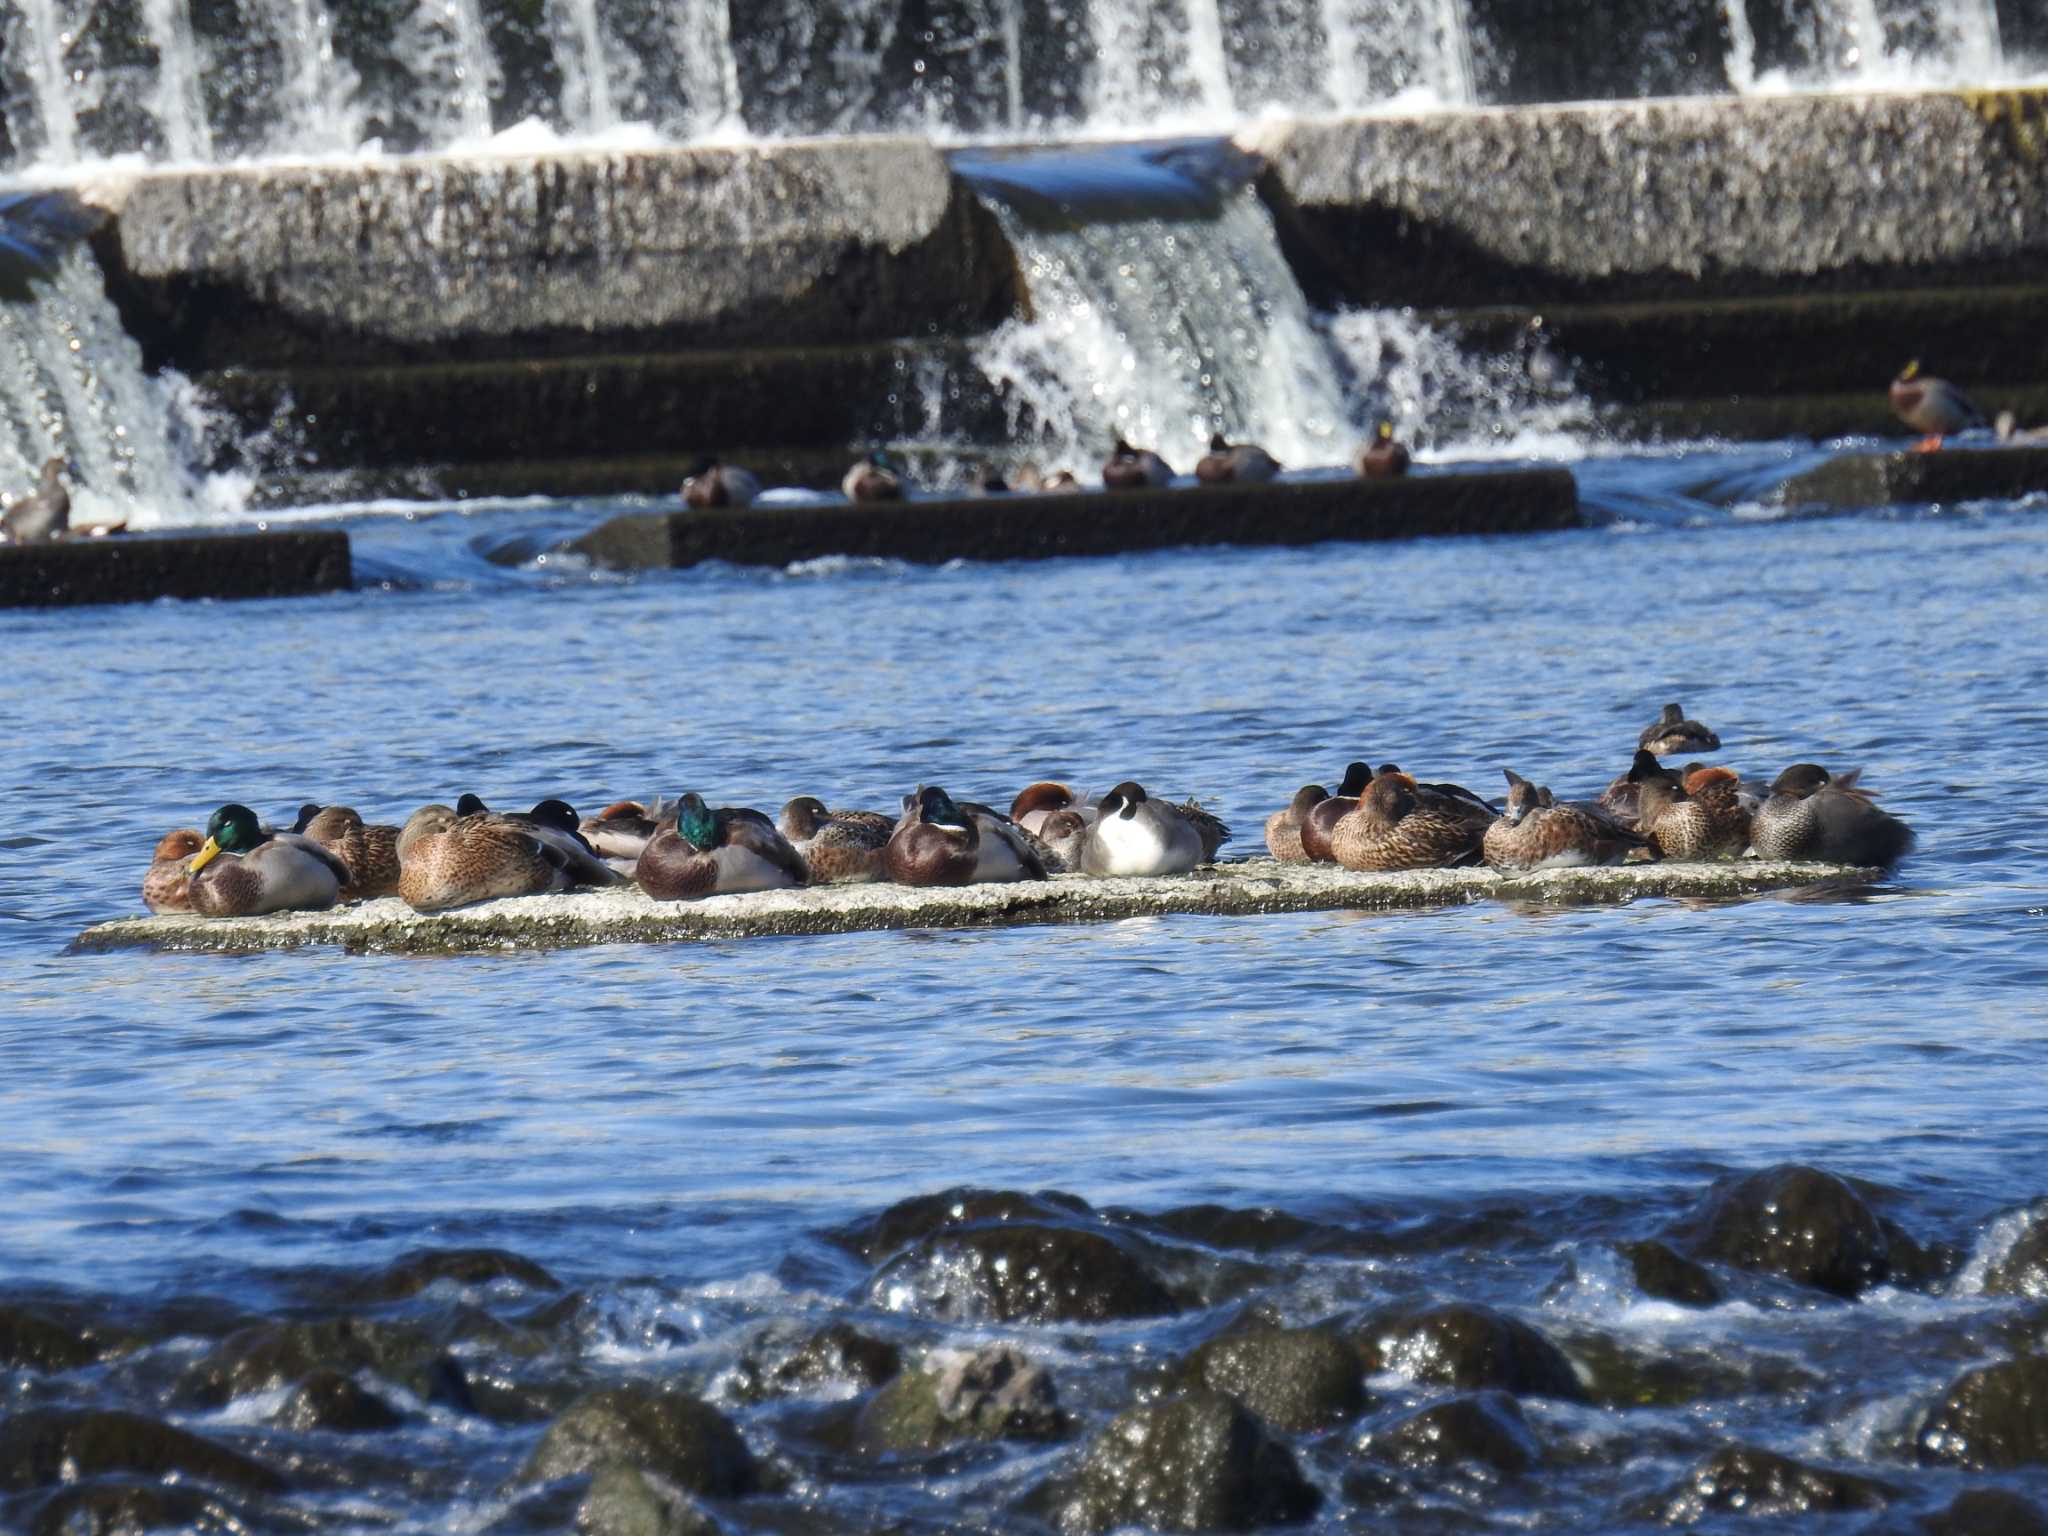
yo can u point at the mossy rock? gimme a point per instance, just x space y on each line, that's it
53 1445
1296 1379
630 1501
994 1393
677 1437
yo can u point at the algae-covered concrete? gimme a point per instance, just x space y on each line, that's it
290 563
626 915
1018 527
1948 475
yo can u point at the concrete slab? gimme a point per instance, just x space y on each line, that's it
627 916
289 563
1948 475
1016 527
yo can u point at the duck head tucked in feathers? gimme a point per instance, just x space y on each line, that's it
1392 828
1535 832
167 885
1671 732
1283 827
1228 463
716 853
1322 818
1129 468
874 478
1811 813
714 483
935 843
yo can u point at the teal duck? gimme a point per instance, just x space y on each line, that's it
1391 828
714 483
716 853
1384 458
1130 469
244 870
1671 732
1283 827
1814 814
1228 463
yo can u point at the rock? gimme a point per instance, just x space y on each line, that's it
1469 1347
1024 1272
411 1273
1255 1231
52 1445
630 1501
1202 1462
675 1436
1662 1272
330 1400
2023 1269
41 1344
837 1352
1986 1512
1741 1480
1486 1428
993 1393
1801 1223
1993 1416
877 1237
269 1355
117 1508
1296 1379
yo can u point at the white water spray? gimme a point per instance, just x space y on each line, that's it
180 109
50 82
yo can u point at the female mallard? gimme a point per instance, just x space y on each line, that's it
1535 832
1932 407
874 478
447 859
167 887
716 853
1383 458
1323 817
1813 814
1671 732
1283 827
940 843
716 484
371 853
1680 825
837 847
42 515
1130 469
1135 834
1228 463
243 871
1392 829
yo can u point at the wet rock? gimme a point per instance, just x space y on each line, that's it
52 1445
876 1237
1469 1347
43 1344
332 1401
2023 1270
1804 1224
1740 1480
1986 1512
994 1393
1993 1416
1485 1429
1025 1272
1620 1373
835 1353
1254 1231
1296 1379
677 1437
411 1273
124 1509
270 1355
1202 1462
1664 1273
629 1501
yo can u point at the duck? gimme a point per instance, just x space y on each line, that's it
1228 463
1671 732
1323 817
1283 827
1390 828
987 480
1059 482
1930 406
555 818
369 852
938 842
167 886
1129 469
1453 800
874 478
44 514
1680 825
2009 430
620 832
717 853
1814 814
449 859
1536 832
1037 801
245 870
1135 834
1384 458
1063 834
714 483
837 847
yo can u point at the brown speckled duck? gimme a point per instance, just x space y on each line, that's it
370 852
1712 825
167 886
1129 469
717 853
1672 733
1283 827
448 860
1392 829
1813 814
1535 832
44 513
837 847
1228 463
241 870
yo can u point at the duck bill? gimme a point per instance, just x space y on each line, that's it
204 856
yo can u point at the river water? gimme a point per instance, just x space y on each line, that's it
1470 1104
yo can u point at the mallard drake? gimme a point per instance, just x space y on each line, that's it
940 843
874 478
44 513
1813 814
1390 828
1930 406
717 853
1134 834
1383 458
1681 826
1323 817
714 483
167 886
369 852
1228 463
1671 732
1283 827
242 870
1131 468
446 859
1535 832
837 847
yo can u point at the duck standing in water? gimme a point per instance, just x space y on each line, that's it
1391 828
1535 832
874 478
1228 463
370 852
1710 824
44 514
1283 827
450 858
1135 834
716 484
938 842
717 853
1383 458
1813 814
837 847
1671 733
167 886
241 870
1932 407
1322 818
1132 469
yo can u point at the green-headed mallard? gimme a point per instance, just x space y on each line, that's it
716 484
1932 407
1814 814
1130 469
874 478
1384 458
1228 463
940 843
167 886
44 513
716 853
450 860
241 870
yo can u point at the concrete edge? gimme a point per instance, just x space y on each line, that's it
293 562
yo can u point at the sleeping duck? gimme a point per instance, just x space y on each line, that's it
837 847
446 859
242 870
1134 834
938 842
716 853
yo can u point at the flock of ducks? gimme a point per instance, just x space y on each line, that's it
1379 819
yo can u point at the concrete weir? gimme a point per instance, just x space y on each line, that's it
1016 527
1949 475
627 916
290 563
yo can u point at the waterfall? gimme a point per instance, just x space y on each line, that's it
1829 44
180 110
710 71
443 46
49 77
1376 50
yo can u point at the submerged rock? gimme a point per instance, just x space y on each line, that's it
411 1273
1741 1480
1296 1379
877 1237
329 1400
39 1343
1804 1224
994 1393
1664 1273
1986 1512
835 1353
53 1445
1993 1416
630 1501
1202 1462
2023 1269
117 1508
1263 1230
1468 1347
1485 1429
1024 1272
271 1355
676 1436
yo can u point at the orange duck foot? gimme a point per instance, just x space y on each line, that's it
1928 444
